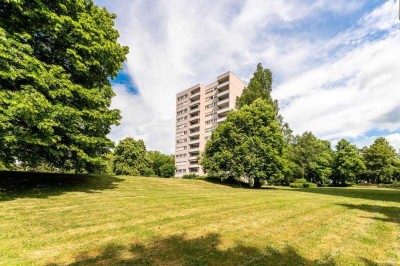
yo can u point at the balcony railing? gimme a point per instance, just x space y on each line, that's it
194 126
194 134
194 118
222 119
223 84
194 110
223 93
195 141
194 102
194 149
194 95
223 110
193 158
223 102
193 165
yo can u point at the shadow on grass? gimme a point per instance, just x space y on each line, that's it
367 193
178 250
391 213
15 185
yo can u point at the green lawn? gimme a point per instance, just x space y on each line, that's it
67 220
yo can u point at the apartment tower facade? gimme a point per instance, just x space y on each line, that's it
199 110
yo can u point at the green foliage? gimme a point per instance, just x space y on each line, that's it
348 163
248 144
130 158
56 60
260 86
163 165
167 170
381 161
302 183
313 158
190 176
395 184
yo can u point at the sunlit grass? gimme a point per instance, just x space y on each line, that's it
138 220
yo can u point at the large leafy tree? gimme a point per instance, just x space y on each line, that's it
249 144
130 158
348 163
381 161
313 158
56 60
163 165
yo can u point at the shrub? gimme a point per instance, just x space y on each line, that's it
302 185
392 185
301 180
190 176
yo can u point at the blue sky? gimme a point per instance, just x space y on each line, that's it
335 63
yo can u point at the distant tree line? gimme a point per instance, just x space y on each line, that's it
255 145
130 157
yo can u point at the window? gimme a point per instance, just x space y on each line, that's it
181 112
181 133
181 155
211 97
182 97
181 141
181 170
211 113
181 119
181 148
211 121
181 126
211 90
182 104
180 163
211 105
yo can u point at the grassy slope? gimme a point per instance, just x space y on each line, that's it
137 220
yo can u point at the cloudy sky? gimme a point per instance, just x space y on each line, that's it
336 64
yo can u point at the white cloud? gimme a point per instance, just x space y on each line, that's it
176 44
394 140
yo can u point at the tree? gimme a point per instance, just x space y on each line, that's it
130 158
381 161
163 165
312 156
260 86
249 144
348 163
55 94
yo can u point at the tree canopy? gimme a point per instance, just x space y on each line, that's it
55 94
312 158
348 163
163 165
248 144
130 158
381 161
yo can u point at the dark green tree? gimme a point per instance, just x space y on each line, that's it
55 94
163 165
381 161
313 158
348 163
130 158
249 144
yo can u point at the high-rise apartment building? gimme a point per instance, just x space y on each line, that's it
199 110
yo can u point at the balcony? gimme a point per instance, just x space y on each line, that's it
223 110
194 149
195 141
194 118
194 110
194 166
222 85
197 133
223 102
194 126
221 119
194 103
223 93
194 95
192 158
